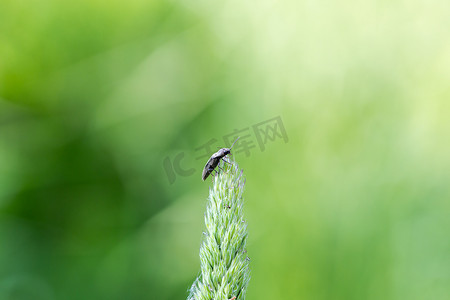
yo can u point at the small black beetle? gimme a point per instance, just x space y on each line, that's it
215 159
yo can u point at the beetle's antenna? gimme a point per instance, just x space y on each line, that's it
234 142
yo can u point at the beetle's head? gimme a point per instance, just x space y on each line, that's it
223 151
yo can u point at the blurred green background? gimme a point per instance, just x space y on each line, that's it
95 95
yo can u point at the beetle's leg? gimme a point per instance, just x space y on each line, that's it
212 176
226 161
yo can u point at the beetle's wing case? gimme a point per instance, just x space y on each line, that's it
205 174
210 166
206 170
